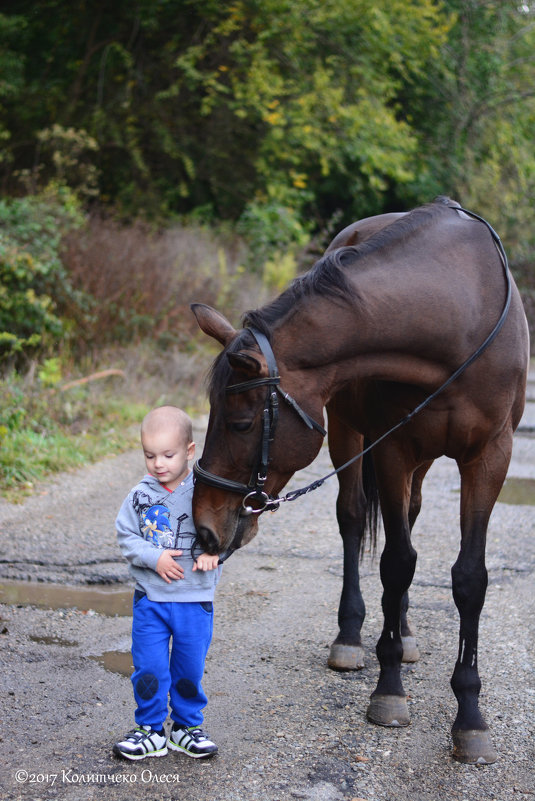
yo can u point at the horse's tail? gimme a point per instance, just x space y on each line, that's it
369 485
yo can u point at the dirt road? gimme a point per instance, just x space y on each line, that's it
288 727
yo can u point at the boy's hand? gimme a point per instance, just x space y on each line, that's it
167 568
206 562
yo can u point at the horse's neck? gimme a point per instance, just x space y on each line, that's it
327 345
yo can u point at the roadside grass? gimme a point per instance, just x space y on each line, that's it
83 418
41 434
28 457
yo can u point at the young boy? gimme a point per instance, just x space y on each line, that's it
173 595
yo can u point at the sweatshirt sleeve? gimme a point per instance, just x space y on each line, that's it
136 550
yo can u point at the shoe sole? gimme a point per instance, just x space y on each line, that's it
175 747
133 757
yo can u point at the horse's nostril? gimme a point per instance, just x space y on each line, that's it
209 541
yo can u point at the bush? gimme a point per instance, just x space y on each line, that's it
32 278
142 281
271 229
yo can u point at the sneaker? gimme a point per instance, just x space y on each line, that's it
142 742
192 741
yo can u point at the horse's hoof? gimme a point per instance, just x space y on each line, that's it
346 657
388 710
473 747
410 649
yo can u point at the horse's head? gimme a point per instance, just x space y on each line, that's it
249 424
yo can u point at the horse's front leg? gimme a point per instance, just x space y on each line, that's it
388 704
481 482
346 652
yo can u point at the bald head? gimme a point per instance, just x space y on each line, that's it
166 439
169 419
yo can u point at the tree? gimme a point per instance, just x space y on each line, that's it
316 102
277 113
198 103
476 116
11 71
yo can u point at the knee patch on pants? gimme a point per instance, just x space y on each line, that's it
186 688
147 686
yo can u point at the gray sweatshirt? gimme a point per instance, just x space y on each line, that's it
152 518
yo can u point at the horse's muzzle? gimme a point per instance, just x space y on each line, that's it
208 540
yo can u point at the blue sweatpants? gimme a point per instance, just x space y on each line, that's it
159 675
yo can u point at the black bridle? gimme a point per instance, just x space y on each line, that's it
254 490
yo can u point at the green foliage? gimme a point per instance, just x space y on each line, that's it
11 72
270 228
70 152
50 373
476 113
32 276
25 317
190 103
279 271
38 222
310 107
27 321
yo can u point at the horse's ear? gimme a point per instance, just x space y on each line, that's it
213 323
244 362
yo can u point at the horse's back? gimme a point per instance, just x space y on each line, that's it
448 271
447 284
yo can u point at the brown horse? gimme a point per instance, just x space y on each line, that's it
385 319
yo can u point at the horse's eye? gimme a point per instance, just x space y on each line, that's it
241 426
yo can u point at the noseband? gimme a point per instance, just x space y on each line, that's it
254 491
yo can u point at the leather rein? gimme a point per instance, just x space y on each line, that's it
254 491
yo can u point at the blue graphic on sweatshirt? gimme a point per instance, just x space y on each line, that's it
156 526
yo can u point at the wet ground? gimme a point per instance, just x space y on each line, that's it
287 726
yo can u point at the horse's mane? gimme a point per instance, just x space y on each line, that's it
328 277
324 278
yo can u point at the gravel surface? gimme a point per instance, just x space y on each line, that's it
287 726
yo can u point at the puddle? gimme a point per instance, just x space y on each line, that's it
116 662
46 640
102 599
518 491
99 598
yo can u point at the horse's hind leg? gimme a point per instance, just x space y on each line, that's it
346 651
481 481
408 637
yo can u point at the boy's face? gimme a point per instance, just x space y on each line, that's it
167 455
